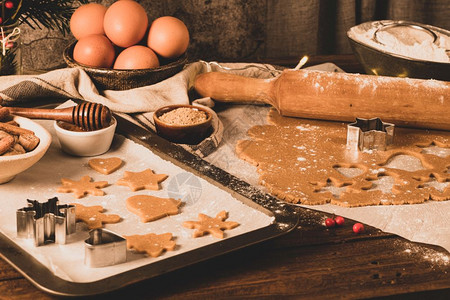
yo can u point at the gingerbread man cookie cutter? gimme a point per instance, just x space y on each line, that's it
46 222
104 248
369 134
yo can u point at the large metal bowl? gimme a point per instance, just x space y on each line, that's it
379 62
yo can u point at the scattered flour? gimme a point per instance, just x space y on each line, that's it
404 41
435 257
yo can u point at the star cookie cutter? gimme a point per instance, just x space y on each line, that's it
369 134
104 248
46 222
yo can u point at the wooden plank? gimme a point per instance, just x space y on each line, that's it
7 272
20 289
339 270
310 261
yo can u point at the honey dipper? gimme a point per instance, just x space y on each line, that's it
87 115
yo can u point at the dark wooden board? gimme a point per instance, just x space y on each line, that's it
311 261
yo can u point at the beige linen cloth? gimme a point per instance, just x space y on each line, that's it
136 104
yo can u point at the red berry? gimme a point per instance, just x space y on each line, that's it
358 228
1 20
329 222
339 220
9 4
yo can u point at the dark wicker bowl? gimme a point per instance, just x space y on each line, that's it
110 79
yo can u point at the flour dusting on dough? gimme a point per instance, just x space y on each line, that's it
317 168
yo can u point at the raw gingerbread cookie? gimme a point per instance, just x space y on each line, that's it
214 226
142 180
93 216
82 187
150 208
105 165
304 161
152 244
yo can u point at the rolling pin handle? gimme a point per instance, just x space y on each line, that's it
225 87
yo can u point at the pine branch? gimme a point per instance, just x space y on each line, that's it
52 14
8 63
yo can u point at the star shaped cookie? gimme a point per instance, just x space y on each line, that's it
93 216
214 226
151 243
82 187
142 180
150 208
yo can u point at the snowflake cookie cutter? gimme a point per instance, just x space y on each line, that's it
104 248
369 134
46 222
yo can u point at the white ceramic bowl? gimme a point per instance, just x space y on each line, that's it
12 165
86 143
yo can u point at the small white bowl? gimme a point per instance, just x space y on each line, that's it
12 165
86 143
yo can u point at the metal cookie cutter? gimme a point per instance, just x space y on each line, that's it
46 222
369 134
104 248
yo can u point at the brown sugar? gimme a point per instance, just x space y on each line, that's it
184 116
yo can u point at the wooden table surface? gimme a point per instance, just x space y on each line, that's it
312 261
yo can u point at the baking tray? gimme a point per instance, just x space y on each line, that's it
285 219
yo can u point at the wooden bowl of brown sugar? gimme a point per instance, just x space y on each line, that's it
183 124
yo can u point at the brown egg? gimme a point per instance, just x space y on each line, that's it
136 57
125 23
87 19
168 36
94 50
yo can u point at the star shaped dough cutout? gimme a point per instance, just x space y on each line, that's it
93 216
150 208
82 187
214 226
151 243
142 180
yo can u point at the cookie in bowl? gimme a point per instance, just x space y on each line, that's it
23 143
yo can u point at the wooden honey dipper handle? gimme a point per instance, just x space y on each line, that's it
334 96
89 116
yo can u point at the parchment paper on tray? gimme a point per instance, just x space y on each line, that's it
66 261
425 223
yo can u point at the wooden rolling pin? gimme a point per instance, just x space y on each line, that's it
338 96
89 116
